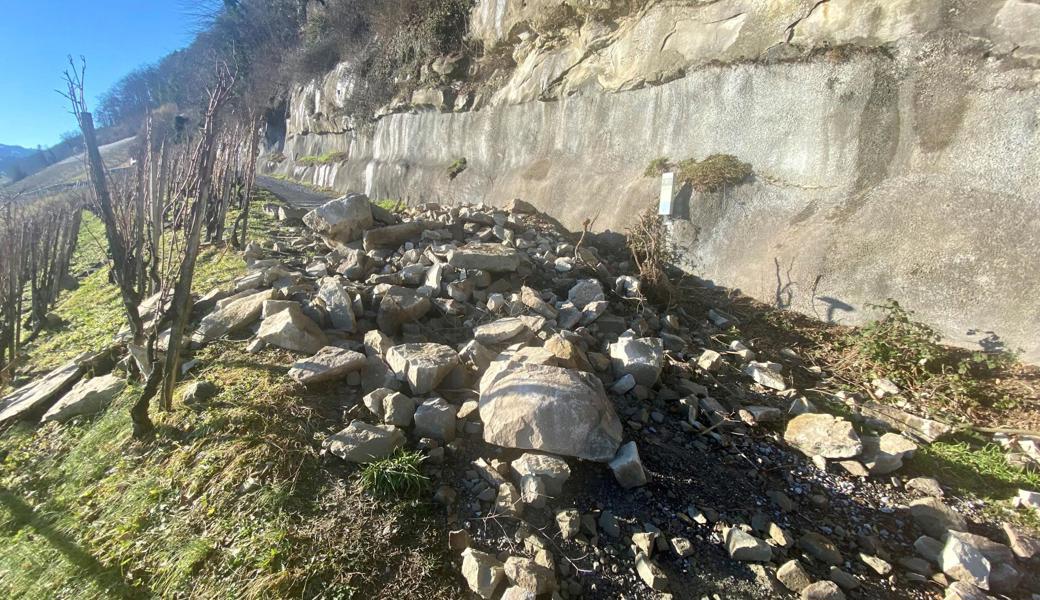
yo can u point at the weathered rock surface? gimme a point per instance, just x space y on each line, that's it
821 434
328 364
37 395
435 419
86 397
362 443
391 236
423 366
292 330
483 573
627 468
342 220
549 409
494 258
400 305
233 316
338 303
642 358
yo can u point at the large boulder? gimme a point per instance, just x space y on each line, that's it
549 409
342 220
34 398
292 330
423 366
233 316
86 397
821 434
363 443
495 258
327 364
393 236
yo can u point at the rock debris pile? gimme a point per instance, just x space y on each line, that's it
584 442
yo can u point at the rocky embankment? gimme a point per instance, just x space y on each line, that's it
582 441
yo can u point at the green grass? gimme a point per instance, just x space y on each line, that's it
322 159
714 173
457 167
396 476
657 167
980 469
230 500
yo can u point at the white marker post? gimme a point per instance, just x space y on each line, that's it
667 193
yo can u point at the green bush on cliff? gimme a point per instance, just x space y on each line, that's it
657 167
714 173
456 168
323 159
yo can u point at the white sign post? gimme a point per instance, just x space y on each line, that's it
667 193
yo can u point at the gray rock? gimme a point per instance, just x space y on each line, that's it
435 419
423 366
198 391
744 546
342 220
363 443
533 300
328 364
400 305
651 574
233 316
87 397
500 331
925 485
959 590
292 330
338 303
585 292
640 357
392 237
822 590
929 548
627 468
569 522
710 360
508 502
495 258
552 470
821 434
549 409
398 410
995 552
530 576
918 427
820 547
767 374
793 576
483 572
1021 543
964 562
35 397
935 518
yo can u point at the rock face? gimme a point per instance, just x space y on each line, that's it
328 364
342 220
362 443
423 366
821 434
86 397
686 60
36 396
292 330
549 409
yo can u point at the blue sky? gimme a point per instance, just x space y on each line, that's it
115 36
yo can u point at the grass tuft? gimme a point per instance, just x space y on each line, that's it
397 476
714 173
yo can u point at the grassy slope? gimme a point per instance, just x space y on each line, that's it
231 500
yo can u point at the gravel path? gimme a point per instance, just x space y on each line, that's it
293 194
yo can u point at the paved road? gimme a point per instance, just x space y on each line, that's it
293 194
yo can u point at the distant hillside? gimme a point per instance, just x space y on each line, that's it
9 152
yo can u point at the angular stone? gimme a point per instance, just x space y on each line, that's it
233 316
533 300
878 565
483 572
568 354
87 397
31 399
1022 544
845 581
585 292
820 548
640 357
959 590
918 427
362 443
500 331
423 366
529 575
545 408
935 518
822 590
328 364
400 305
532 491
552 470
398 410
569 522
338 303
821 434
793 576
995 552
292 330
651 574
508 502
710 360
392 237
342 220
198 391
767 374
744 546
926 485
495 258
435 419
964 562
627 468
355 264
